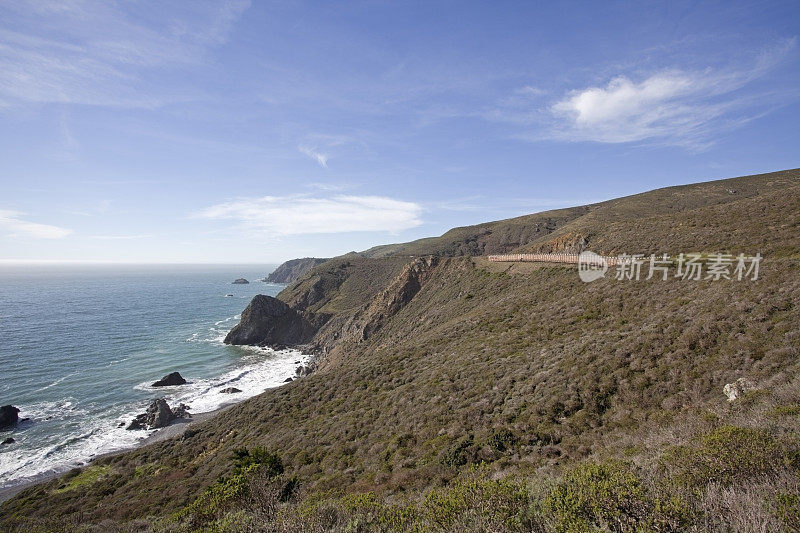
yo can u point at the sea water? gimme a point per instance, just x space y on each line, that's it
80 347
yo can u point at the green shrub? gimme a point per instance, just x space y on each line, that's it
788 510
494 500
785 410
598 495
81 478
730 453
502 440
259 457
460 453
220 497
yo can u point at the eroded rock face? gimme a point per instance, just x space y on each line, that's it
169 380
735 390
268 321
9 416
290 271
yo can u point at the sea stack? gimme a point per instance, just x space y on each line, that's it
9 416
240 281
170 380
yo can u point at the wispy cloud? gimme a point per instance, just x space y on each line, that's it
673 106
329 186
669 105
10 221
119 237
296 215
97 53
313 153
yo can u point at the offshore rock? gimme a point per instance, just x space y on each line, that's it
169 380
9 416
158 415
240 281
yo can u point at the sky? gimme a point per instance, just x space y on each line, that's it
255 132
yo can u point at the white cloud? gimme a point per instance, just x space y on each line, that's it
679 107
328 186
10 221
296 215
119 237
668 104
319 157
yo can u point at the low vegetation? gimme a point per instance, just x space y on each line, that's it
504 397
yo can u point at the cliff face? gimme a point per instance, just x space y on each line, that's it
341 330
268 321
291 271
341 302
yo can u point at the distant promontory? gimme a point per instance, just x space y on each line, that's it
290 271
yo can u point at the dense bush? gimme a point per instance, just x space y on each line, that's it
729 454
228 490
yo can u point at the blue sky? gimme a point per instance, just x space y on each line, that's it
257 132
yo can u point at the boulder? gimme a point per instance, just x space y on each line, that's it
305 370
9 416
230 390
171 379
267 321
287 380
736 389
240 281
136 423
158 415
182 411
9 440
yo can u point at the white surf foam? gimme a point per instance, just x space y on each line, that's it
265 368
88 436
91 436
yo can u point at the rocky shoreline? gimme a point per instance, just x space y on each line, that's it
173 429
162 421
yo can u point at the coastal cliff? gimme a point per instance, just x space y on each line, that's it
448 381
268 321
343 301
292 270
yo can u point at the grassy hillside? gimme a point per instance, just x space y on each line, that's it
662 220
717 216
458 394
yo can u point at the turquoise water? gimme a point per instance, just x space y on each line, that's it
80 346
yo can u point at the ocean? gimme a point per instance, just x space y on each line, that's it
81 345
